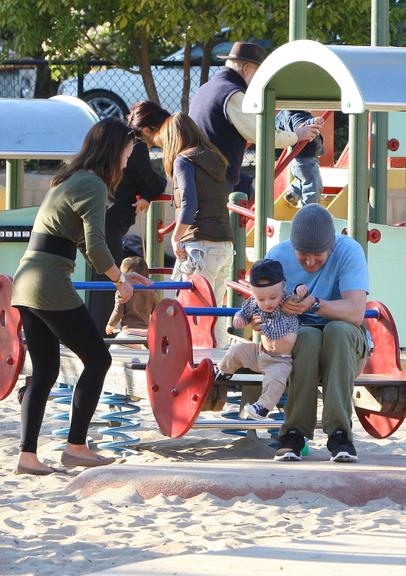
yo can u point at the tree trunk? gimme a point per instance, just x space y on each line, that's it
204 71
186 77
45 87
145 67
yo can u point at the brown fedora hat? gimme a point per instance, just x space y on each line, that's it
245 51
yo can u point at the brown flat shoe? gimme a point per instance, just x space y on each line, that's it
71 460
20 469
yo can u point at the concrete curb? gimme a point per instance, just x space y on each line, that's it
352 484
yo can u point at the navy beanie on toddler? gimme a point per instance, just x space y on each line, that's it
266 273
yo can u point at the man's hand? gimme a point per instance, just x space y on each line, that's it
291 307
318 121
307 132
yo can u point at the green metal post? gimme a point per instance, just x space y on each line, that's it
358 179
155 248
14 184
297 19
379 123
264 172
234 299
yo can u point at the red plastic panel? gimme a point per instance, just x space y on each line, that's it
384 360
386 357
11 346
177 391
377 424
201 327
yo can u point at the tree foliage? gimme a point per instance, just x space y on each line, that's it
129 32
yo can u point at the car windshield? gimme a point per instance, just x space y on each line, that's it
197 53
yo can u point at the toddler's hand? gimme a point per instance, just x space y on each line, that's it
109 329
238 322
301 290
319 121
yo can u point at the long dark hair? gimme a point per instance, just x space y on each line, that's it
146 114
101 152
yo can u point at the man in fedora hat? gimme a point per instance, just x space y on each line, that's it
216 108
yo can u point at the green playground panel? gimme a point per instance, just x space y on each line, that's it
397 129
11 252
386 264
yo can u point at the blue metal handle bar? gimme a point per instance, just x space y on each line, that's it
232 311
153 286
180 286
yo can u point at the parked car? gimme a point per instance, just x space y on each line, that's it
17 81
112 91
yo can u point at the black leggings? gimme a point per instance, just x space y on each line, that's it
44 330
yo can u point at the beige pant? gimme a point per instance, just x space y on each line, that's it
275 368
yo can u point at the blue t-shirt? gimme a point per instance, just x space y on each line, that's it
345 269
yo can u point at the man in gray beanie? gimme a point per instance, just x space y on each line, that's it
332 345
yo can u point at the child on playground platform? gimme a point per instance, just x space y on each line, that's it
273 356
307 185
135 314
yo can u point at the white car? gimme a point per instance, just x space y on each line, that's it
112 91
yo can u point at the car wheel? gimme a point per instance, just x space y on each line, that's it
106 104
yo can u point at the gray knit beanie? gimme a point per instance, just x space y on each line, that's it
313 230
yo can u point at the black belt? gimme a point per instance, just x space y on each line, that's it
52 245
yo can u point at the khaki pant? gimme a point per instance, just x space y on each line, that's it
213 261
275 369
332 357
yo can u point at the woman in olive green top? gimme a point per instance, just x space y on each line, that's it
72 215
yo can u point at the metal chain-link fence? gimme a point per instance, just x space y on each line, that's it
109 90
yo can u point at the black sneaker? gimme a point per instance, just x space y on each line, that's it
290 446
256 411
292 198
219 376
342 449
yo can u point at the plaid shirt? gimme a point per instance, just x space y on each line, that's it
275 324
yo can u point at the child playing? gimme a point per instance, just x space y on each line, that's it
307 185
273 356
135 314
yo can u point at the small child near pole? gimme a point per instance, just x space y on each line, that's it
135 314
273 356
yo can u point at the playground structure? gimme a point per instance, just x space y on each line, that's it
180 362
299 75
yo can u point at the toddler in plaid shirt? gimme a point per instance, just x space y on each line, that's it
273 356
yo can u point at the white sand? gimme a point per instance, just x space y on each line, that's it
45 531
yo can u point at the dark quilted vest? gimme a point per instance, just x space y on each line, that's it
211 219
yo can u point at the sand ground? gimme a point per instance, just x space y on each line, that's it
46 529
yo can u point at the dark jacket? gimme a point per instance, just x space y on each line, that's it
139 179
291 120
211 219
208 110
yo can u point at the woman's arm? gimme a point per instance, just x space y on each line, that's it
184 172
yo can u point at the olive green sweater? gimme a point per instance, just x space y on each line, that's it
75 210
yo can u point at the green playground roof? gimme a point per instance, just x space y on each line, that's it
51 128
307 74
